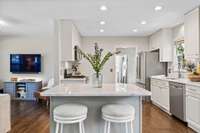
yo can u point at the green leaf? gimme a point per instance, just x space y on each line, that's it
95 60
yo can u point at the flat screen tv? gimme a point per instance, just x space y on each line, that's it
25 63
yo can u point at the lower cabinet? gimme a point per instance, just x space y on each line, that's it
10 88
193 107
31 89
160 93
164 97
155 94
22 90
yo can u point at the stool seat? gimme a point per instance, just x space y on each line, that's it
70 114
118 113
118 110
70 110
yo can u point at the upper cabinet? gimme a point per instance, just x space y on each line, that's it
192 29
154 42
163 41
68 37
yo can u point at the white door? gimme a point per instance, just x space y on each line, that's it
126 67
193 110
191 24
164 97
155 94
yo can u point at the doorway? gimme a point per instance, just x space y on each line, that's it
125 65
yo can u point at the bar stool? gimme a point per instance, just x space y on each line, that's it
70 114
118 113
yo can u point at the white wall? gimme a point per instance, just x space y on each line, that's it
43 45
110 44
178 32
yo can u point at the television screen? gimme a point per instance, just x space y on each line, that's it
25 63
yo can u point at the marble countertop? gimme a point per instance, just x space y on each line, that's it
64 79
178 80
88 90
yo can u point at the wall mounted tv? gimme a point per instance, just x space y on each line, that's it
25 63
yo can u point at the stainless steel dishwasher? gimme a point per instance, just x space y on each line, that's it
178 100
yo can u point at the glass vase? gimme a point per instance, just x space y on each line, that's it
97 79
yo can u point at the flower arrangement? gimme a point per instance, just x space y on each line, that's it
96 60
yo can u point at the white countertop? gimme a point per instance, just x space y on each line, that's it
74 79
88 90
178 80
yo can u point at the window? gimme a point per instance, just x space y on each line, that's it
179 55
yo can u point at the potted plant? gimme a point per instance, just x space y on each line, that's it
97 62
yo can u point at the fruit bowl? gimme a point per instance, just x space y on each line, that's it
194 77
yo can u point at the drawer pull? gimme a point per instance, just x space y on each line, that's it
192 89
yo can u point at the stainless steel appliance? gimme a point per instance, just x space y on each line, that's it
148 65
178 100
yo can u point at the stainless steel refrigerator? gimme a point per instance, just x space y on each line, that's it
148 65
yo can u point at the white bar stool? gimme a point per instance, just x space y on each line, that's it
70 114
118 113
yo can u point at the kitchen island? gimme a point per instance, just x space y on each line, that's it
94 99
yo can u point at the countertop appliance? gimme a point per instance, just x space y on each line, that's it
148 65
178 100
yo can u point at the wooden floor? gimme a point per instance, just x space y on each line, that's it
157 121
29 117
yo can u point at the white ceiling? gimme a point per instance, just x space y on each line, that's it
37 16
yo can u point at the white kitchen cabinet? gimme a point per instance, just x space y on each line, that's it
193 107
155 94
191 31
154 42
68 37
160 93
162 40
164 99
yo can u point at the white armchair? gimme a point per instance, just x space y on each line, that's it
5 113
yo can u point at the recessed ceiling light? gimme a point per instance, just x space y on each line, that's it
158 8
3 23
102 22
101 30
144 22
135 30
103 8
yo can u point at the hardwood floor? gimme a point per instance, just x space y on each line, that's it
157 121
30 117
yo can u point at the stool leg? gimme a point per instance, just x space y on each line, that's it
57 127
126 126
80 127
83 127
132 127
105 127
108 127
61 128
